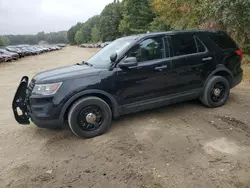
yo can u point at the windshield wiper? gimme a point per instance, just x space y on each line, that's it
89 64
85 63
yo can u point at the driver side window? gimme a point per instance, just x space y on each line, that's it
147 50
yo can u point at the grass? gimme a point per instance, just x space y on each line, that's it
246 60
246 67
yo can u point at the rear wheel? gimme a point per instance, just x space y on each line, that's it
89 117
216 92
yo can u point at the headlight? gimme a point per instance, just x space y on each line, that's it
46 89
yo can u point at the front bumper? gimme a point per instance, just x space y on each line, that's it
7 59
41 111
46 123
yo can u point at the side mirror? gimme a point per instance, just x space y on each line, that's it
113 57
128 62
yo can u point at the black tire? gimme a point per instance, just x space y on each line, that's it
79 106
208 97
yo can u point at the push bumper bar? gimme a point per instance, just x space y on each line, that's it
19 104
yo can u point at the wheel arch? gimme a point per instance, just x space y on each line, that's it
224 72
108 98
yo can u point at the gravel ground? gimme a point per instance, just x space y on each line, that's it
184 146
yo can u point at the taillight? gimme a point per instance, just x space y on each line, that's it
239 53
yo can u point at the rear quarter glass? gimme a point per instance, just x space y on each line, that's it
224 41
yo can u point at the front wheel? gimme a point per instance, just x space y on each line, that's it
89 117
216 92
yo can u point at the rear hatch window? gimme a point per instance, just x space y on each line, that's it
223 41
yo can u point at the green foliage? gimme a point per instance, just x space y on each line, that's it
181 14
56 37
137 15
78 37
234 16
50 38
72 32
42 42
83 35
41 36
159 25
109 21
88 26
95 35
4 41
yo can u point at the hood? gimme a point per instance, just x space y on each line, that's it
65 73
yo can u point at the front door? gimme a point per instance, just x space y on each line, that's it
149 79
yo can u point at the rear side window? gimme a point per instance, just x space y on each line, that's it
223 41
183 45
200 45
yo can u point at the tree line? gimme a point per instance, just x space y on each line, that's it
128 17
138 16
41 37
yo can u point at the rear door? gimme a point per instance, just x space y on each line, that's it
191 62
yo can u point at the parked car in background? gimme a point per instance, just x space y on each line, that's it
24 50
96 45
38 50
13 55
50 48
1 58
16 50
102 45
105 44
28 51
58 47
46 49
62 45
6 57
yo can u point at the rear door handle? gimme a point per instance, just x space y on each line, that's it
161 67
207 59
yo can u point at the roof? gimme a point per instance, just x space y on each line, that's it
174 32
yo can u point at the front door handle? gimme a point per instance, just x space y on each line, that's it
207 59
161 67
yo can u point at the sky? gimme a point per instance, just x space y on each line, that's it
33 16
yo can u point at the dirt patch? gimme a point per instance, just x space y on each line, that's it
236 123
222 145
246 72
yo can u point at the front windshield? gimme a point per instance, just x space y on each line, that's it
102 58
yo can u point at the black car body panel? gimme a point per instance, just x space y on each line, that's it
179 74
64 73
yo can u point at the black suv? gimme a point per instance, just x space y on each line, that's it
129 75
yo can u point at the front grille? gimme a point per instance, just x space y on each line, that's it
30 87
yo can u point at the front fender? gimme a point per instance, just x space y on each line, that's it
90 92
